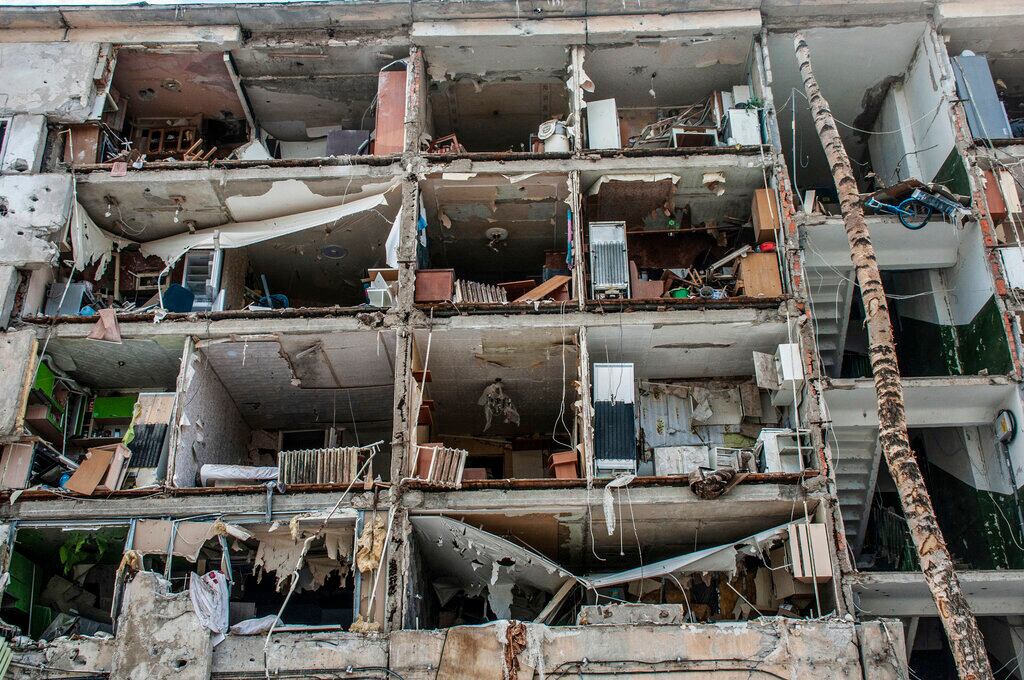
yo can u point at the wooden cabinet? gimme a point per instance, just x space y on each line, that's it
390 132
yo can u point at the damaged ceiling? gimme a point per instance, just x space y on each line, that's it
621 197
168 84
294 88
528 362
531 208
150 363
337 378
678 71
854 67
300 265
696 350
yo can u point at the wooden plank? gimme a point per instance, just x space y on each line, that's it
759 274
545 289
15 465
88 475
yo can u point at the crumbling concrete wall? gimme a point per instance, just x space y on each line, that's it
300 652
16 360
54 79
34 210
212 427
776 647
159 635
64 657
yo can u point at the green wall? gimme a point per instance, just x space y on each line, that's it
929 349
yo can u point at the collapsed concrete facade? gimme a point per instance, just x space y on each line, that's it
407 418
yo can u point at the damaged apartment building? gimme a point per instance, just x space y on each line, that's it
483 340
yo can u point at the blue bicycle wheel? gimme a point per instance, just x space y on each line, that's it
914 214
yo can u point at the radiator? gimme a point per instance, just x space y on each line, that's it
318 466
609 265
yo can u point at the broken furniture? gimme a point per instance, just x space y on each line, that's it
449 144
56 406
382 289
162 138
25 463
439 464
103 470
434 285
555 288
782 450
213 474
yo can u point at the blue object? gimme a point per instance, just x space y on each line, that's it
178 298
915 211
87 311
276 301
64 479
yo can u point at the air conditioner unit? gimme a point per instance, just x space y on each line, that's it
609 265
202 276
614 418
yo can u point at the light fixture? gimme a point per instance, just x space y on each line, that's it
177 212
334 252
108 213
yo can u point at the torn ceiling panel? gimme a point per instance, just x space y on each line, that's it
720 558
477 561
339 360
743 175
241 234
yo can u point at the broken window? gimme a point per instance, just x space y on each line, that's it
682 401
678 93
503 398
100 413
708 233
299 409
492 97
62 580
495 239
254 566
269 245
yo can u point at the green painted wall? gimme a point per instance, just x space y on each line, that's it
929 349
981 527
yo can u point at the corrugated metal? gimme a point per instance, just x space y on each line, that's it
614 431
318 466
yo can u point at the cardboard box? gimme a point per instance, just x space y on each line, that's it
809 553
782 578
764 213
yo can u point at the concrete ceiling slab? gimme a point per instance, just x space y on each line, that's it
151 363
529 363
698 350
262 382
